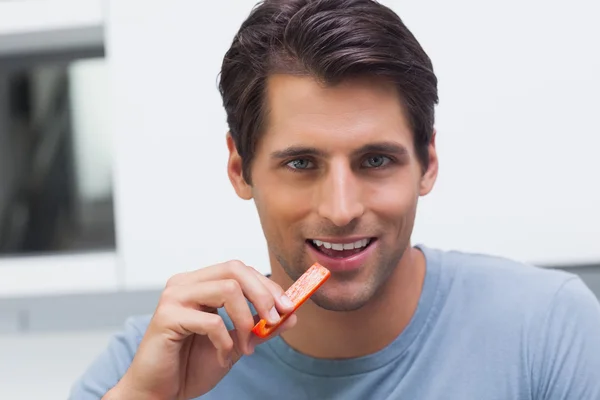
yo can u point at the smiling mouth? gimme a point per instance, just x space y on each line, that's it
341 250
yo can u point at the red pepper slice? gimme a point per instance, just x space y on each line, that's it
299 292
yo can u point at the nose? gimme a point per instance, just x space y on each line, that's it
340 200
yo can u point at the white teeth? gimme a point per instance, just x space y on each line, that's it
343 246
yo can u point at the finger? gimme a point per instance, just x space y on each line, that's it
282 301
189 321
225 293
254 289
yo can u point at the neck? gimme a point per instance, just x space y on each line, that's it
321 333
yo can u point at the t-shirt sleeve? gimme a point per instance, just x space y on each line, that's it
108 368
567 357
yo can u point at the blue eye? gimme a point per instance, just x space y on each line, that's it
301 163
376 161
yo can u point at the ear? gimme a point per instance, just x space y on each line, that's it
430 175
234 171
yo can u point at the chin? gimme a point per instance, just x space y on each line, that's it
346 298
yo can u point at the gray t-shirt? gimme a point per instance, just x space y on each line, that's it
485 328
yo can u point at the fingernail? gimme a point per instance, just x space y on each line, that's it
286 301
274 315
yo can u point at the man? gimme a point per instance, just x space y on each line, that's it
330 106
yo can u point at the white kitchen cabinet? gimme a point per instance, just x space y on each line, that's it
57 274
28 26
37 31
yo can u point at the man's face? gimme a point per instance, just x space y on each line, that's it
336 180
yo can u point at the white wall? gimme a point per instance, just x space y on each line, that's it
517 133
517 123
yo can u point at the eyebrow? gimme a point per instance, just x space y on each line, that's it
297 151
383 147
303 151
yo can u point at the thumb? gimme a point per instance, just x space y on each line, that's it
229 359
289 323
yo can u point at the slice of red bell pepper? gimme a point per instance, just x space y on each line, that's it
299 292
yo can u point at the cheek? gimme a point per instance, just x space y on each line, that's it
282 208
393 199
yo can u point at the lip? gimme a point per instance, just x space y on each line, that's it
342 240
351 263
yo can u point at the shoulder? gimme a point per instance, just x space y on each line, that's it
128 337
135 326
507 292
110 365
545 321
495 276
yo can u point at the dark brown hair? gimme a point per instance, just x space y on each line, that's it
332 40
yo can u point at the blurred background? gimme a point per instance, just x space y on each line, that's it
112 157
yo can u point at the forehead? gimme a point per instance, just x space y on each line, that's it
351 114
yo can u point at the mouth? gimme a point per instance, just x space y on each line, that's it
339 250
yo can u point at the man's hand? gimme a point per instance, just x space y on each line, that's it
187 349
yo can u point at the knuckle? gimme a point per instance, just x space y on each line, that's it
276 288
246 324
175 280
234 266
265 300
231 287
228 345
162 315
214 323
168 295
270 285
